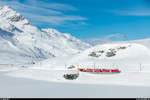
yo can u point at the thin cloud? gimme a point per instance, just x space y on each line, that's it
54 20
133 13
41 12
108 38
28 8
52 5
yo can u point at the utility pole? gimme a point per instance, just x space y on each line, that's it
94 67
53 49
40 63
140 67
125 37
77 66
65 66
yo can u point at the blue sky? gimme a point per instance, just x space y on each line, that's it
89 19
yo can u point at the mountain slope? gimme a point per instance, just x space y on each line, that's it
28 42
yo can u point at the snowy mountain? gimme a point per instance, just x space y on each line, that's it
25 43
22 42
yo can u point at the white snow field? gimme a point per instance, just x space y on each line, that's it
37 83
20 87
33 62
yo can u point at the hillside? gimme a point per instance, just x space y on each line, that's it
116 53
24 43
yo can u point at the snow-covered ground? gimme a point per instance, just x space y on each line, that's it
134 66
28 83
33 62
124 78
20 87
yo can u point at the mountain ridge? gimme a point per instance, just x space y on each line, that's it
33 42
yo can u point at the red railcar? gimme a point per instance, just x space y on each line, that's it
99 70
115 70
106 70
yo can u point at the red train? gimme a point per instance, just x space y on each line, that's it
99 70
